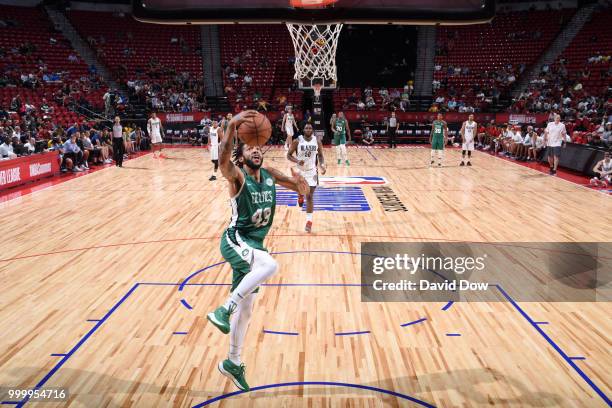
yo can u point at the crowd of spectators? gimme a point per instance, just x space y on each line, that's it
383 99
79 145
179 93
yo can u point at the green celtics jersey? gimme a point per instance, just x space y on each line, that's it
438 128
253 208
340 126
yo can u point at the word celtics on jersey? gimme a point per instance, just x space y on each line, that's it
253 208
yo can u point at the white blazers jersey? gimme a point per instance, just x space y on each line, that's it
213 141
154 130
289 121
469 133
307 151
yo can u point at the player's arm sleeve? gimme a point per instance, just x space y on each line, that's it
348 129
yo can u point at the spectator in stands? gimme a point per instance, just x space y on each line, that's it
370 102
73 152
30 145
606 137
368 137
89 150
6 149
537 144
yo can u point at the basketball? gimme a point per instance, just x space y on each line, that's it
255 132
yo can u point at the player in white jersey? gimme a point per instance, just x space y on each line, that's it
468 134
604 170
309 151
214 134
289 123
155 129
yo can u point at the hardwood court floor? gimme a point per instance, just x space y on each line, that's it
112 247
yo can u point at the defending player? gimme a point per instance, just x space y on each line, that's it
437 138
309 151
468 134
341 129
213 147
288 125
253 201
155 129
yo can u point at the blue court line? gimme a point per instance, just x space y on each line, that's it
447 306
540 322
353 333
178 332
371 154
453 334
187 305
57 355
578 358
414 322
280 332
82 341
326 383
556 347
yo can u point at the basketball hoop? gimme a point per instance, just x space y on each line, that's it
315 52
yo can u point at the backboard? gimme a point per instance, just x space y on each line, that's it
314 11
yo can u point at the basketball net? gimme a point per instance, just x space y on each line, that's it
315 50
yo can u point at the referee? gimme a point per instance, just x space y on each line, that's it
392 126
118 146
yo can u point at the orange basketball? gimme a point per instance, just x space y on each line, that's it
255 132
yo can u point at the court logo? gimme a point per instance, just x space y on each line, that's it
340 198
387 198
352 180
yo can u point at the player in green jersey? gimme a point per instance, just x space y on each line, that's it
253 201
437 138
341 129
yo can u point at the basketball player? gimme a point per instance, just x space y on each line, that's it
154 127
309 151
253 201
554 138
288 125
468 134
213 147
437 138
341 129
604 169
